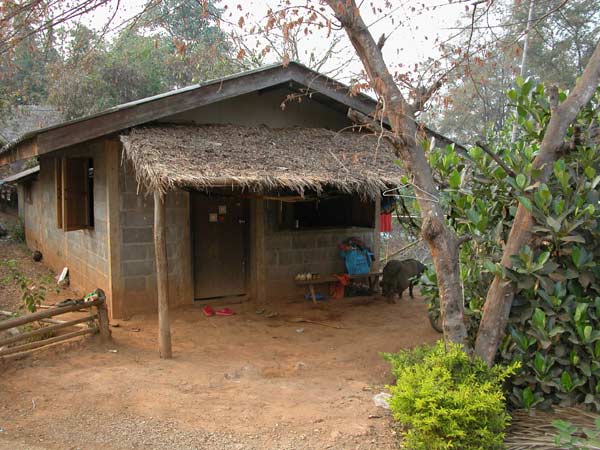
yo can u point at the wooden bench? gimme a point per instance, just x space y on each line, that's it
371 277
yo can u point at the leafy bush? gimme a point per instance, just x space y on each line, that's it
17 231
447 400
555 320
33 293
571 437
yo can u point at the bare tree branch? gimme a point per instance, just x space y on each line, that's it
425 95
381 41
442 241
375 126
496 158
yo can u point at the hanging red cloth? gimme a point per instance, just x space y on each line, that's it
385 223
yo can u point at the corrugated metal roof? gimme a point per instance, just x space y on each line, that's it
28 118
21 175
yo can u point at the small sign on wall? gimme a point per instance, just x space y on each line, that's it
213 217
222 209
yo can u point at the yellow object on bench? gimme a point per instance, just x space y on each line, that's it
372 277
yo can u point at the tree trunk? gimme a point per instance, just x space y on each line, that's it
523 71
500 294
442 241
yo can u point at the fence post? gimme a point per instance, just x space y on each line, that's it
103 326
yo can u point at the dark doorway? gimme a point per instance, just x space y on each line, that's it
219 231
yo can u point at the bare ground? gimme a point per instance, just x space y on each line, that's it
240 382
36 272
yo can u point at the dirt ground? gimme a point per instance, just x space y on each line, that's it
239 382
10 295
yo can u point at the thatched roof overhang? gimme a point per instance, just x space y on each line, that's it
260 159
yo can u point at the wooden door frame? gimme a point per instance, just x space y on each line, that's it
246 240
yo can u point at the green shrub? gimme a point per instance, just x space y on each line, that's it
446 400
554 327
17 231
33 292
572 437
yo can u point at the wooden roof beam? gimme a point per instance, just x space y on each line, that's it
25 150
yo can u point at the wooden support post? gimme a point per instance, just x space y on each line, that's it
115 298
313 295
257 251
162 282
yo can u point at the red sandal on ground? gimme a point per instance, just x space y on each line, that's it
225 312
208 311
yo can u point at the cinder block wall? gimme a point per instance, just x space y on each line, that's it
84 252
288 253
134 283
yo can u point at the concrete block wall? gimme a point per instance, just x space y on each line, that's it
135 274
290 252
84 252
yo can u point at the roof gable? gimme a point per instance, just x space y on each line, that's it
281 106
154 108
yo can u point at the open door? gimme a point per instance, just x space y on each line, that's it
219 230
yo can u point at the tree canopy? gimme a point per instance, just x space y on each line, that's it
561 39
80 70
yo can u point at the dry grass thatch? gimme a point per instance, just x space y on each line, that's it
260 158
534 431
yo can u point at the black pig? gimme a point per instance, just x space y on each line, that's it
397 277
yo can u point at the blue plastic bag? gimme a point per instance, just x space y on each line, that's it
358 262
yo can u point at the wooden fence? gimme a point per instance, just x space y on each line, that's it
97 320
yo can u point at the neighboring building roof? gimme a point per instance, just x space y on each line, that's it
21 176
296 76
28 118
260 158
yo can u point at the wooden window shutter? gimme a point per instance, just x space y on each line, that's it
363 212
59 190
75 193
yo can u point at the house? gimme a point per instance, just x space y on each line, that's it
22 119
26 118
250 179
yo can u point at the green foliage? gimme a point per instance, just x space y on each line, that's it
448 400
24 66
81 71
32 293
554 328
571 437
17 231
189 22
23 73
163 53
